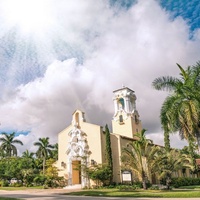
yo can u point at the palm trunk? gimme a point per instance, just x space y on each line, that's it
44 161
191 150
144 184
167 141
168 181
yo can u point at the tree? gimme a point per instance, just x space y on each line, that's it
55 151
27 154
181 109
100 174
140 156
7 145
170 161
28 157
109 153
44 150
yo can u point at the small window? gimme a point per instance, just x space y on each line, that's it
136 119
121 119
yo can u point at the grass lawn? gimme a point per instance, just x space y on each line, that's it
197 187
4 198
20 188
138 193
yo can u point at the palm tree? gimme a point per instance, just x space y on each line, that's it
140 156
44 150
170 161
27 154
181 109
7 144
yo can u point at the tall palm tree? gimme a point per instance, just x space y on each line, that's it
7 145
140 156
44 150
181 109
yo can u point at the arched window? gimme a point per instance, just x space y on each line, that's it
77 118
121 103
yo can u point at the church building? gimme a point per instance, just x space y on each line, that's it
85 143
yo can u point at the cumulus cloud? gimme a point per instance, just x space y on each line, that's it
130 47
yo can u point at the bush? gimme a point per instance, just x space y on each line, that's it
4 183
17 184
127 187
154 187
40 179
184 181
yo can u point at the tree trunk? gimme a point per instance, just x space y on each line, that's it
168 181
144 184
167 141
191 150
43 166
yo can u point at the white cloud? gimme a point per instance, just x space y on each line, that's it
132 47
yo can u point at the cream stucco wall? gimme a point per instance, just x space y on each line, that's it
127 128
116 157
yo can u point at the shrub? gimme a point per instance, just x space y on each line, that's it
184 181
154 187
4 183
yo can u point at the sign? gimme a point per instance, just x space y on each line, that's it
126 176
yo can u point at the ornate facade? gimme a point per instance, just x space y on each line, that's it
83 143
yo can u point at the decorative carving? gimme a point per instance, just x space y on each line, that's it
78 146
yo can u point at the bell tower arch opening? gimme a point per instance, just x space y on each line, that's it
126 119
121 104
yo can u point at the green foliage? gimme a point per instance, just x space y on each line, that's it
169 162
180 111
109 153
7 147
100 173
39 179
186 150
140 157
184 181
44 150
4 183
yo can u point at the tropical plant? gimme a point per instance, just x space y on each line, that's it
181 109
100 173
186 150
169 162
27 154
7 144
140 156
55 151
44 150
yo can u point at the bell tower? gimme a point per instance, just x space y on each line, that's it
126 120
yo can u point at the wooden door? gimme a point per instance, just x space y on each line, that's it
76 174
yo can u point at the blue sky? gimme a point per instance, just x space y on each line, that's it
73 55
189 10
